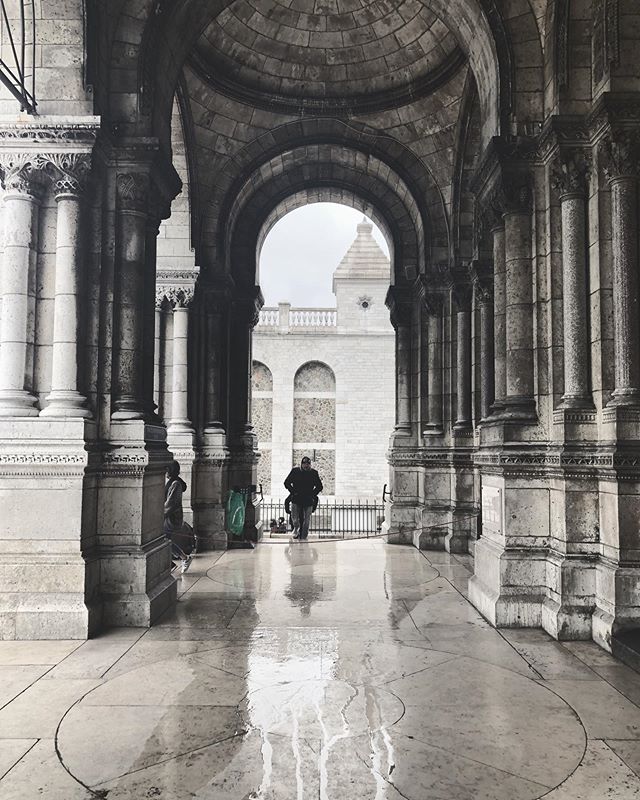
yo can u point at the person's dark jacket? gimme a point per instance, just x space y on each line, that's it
304 485
173 517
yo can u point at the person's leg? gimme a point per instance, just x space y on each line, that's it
306 519
296 513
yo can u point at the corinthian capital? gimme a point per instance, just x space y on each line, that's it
22 172
177 296
70 172
133 190
570 172
622 155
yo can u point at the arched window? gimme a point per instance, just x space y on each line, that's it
262 419
314 420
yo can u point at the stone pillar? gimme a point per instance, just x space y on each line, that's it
499 316
462 300
133 198
433 304
570 181
622 172
519 399
243 466
179 420
21 204
401 317
484 295
65 400
210 475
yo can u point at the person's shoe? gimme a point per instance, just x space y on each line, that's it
185 564
296 536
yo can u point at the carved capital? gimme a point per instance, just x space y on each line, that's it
462 294
246 308
23 172
133 190
176 296
481 274
570 172
621 152
516 193
399 303
70 172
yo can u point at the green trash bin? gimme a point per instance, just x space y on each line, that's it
236 505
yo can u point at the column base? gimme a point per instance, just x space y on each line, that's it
66 404
18 404
568 607
617 601
625 397
508 585
210 481
48 578
518 409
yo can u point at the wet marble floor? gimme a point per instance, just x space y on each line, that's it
333 671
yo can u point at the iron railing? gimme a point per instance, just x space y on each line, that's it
331 520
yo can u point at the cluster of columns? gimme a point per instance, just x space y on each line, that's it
26 178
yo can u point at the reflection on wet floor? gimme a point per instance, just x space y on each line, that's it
319 670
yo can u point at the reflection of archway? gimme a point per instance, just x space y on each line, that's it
262 419
314 420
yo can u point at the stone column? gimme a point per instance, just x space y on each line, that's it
21 204
401 314
179 421
483 286
569 178
245 313
519 399
499 317
129 401
433 304
462 300
622 173
65 400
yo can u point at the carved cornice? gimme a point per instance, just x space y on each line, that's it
570 172
621 151
562 131
74 131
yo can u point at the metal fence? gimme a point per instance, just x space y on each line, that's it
337 520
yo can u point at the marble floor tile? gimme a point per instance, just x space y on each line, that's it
602 775
41 775
11 751
13 681
327 671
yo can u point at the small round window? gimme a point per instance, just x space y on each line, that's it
364 302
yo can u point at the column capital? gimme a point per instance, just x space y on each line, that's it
570 172
178 297
399 303
246 307
481 274
133 190
432 299
621 150
70 172
23 173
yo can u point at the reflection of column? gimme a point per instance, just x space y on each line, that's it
157 350
622 172
64 399
21 204
483 283
129 308
569 178
519 402
179 385
462 299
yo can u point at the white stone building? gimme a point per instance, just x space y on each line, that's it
323 381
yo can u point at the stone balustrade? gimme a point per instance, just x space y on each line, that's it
284 317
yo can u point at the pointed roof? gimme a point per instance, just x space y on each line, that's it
364 260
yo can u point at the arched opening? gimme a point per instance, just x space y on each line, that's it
325 331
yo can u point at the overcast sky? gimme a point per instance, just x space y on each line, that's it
303 249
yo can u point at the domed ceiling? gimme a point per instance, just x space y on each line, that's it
327 54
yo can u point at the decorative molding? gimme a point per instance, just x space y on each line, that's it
23 172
